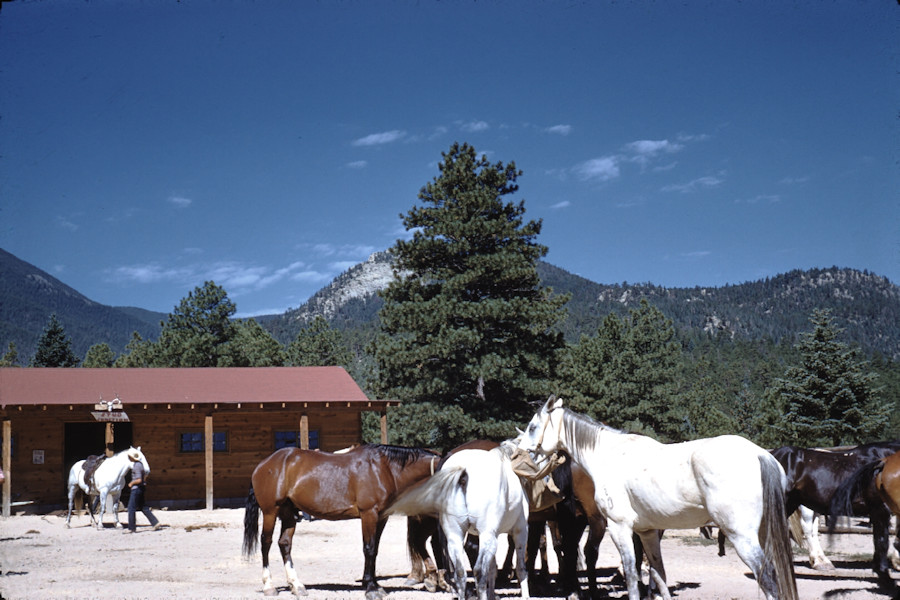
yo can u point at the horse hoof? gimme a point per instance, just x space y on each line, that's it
270 592
378 594
300 591
411 582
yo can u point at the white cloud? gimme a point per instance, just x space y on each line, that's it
376 139
709 181
765 198
794 180
559 205
234 277
180 201
473 126
66 223
599 169
358 164
559 129
650 148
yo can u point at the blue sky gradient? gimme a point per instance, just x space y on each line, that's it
148 147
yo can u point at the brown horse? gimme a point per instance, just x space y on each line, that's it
359 484
887 482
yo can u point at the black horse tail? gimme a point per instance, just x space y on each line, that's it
850 489
774 532
251 524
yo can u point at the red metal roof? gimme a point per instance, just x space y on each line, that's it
30 386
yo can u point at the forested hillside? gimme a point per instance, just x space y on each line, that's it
28 296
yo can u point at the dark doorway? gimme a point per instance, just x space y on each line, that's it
84 439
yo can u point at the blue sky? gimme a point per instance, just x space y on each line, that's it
148 147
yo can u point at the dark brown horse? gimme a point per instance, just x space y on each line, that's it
358 484
814 477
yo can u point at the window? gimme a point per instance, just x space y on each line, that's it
291 439
193 442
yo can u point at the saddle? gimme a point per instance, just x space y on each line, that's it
536 481
90 465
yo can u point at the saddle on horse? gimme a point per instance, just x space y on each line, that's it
90 465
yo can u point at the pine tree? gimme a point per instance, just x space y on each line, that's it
54 348
830 398
626 375
465 322
318 345
99 356
198 332
252 346
11 357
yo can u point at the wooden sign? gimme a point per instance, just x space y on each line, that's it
111 416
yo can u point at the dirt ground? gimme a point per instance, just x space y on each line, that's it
197 555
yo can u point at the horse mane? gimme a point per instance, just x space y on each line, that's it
582 432
400 455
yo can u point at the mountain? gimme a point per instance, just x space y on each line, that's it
866 305
28 296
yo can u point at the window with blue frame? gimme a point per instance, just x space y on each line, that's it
193 441
291 439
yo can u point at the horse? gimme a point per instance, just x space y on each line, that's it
77 488
359 484
872 489
643 486
106 483
814 476
475 491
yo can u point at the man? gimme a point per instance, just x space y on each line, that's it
136 502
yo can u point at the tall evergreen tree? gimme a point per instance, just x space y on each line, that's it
54 348
466 323
830 399
198 332
99 356
626 375
252 346
318 345
11 357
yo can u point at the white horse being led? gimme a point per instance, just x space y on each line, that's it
643 486
476 491
107 482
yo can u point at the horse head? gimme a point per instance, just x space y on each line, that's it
542 434
136 455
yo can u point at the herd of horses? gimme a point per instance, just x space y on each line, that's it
603 480
628 485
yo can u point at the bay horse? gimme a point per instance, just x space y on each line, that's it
358 484
873 489
814 476
106 483
474 491
643 486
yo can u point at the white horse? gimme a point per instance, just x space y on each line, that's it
642 486
475 492
107 482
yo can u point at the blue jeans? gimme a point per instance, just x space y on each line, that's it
136 503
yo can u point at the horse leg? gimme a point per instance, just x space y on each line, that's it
265 543
372 528
418 530
621 535
520 535
115 509
72 495
805 530
748 548
453 538
103 498
650 541
285 543
485 568
881 521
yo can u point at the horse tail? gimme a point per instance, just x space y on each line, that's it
774 531
251 524
842 500
431 496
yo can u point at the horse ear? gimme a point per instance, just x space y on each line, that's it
557 404
553 403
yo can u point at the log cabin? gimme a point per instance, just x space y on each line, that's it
203 430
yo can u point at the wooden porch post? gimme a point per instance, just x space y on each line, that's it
110 439
208 442
7 465
304 431
384 430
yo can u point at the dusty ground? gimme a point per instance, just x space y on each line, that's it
197 556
